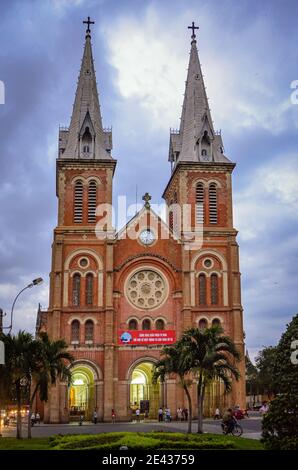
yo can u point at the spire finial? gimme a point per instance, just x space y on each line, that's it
193 27
88 22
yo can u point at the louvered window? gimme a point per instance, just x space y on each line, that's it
92 191
202 289
75 331
78 202
200 203
214 289
212 204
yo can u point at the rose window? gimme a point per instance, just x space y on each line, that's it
146 289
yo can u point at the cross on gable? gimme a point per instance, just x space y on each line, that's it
88 22
193 28
147 198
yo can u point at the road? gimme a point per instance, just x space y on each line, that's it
251 428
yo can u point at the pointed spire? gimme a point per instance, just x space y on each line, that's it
196 139
86 136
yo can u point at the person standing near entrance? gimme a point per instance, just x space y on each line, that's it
160 415
138 412
95 417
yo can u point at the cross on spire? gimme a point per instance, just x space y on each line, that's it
193 27
88 22
147 198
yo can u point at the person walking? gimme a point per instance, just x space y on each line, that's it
185 414
168 415
81 419
138 412
37 418
160 415
179 414
113 416
217 414
95 416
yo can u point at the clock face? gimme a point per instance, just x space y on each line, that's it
147 237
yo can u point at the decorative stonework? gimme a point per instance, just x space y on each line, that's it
146 289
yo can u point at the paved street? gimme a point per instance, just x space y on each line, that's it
251 427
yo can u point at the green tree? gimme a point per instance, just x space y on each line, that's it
265 363
172 363
252 378
31 365
280 424
209 355
19 350
50 362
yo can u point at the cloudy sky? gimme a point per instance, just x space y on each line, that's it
249 55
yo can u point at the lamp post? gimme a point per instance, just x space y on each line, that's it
35 282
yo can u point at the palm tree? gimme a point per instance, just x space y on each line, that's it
171 363
209 355
50 362
18 354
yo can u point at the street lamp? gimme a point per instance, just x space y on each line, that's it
35 282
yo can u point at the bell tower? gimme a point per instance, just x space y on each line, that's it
200 186
80 302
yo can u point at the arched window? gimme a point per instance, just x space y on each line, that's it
200 203
203 324
89 330
89 289
212 203
92 191
204 152
133 325
214 289
76 288
78 202
202 289
86 149
146 325
75 331
160 324
216 322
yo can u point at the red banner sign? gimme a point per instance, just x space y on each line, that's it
139 337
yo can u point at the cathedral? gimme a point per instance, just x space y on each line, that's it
117 297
